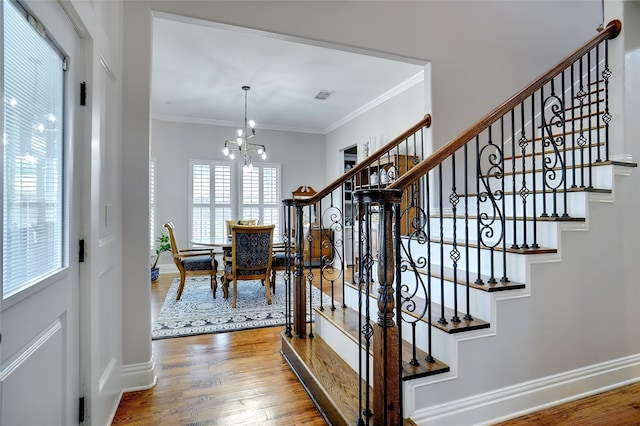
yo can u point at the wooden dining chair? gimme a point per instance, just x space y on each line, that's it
239 222
251 256
192 261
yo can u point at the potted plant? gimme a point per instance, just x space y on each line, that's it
162 245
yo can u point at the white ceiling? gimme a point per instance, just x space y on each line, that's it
199 67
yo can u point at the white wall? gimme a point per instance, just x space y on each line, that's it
481 51
385 122
174 144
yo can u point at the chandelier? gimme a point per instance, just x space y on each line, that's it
241 144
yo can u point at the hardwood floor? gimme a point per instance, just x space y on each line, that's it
619 407
237 378
240 378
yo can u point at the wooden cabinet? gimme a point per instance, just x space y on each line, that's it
392 166
317 248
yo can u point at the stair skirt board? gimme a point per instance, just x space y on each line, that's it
523 398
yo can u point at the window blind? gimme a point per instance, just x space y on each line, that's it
33 203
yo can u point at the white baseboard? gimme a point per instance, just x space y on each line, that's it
524 398
137 377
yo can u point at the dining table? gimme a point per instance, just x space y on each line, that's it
223 245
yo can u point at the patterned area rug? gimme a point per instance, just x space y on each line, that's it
197 312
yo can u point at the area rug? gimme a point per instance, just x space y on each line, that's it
198 313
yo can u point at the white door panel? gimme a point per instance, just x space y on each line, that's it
102 273
39 370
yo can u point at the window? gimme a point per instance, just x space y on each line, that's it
152 203
261 195
33 201
218 192
210 199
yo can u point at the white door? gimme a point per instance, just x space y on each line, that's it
101 273
39 373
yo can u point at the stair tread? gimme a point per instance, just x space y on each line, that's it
346 320
529 218
487 286
594 164
450 327
474 244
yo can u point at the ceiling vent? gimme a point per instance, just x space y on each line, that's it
323 95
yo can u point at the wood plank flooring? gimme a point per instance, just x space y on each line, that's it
237 378
240 378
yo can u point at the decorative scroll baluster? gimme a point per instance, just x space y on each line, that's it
491 221
565 208
550 178
544 135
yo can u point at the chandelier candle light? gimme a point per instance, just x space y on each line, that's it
241 143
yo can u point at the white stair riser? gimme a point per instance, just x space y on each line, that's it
576 205
600 179
441 340
340 343
514 261
479 300
546 232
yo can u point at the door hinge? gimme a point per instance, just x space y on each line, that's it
83 93
81 251
81 410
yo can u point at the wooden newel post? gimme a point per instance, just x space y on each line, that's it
386 363
299 283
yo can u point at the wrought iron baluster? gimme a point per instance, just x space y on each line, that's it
565 212
524 191
514 245
361 326
534 215
582 140
454 254
442 319
597 49
590 129
606 117
543 145
478 178
429 357
466 232
503 218
573 127
552 116
492 220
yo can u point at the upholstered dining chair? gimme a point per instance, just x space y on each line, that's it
192 261
251 256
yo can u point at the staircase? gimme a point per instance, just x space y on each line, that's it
453 312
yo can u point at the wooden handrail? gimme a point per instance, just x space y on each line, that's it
404 181
425 122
